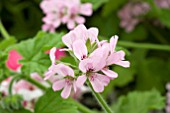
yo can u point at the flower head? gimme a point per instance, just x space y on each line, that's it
64 12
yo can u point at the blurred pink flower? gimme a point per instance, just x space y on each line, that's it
12 61
130 13
163 3
64 12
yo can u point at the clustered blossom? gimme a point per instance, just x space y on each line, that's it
93 64
130 14
168 98
68 12
29 92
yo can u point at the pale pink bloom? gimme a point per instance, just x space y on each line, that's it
91 66
130 13
113 57
12 61
80 33
64 12
66 80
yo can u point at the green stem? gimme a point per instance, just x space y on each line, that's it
3 31
100 99
83 108
144 45
36 83
11 84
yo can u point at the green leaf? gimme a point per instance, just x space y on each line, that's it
52 102
96 3
8 42
139 102
33 51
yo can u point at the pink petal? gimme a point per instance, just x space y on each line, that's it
64 70
52 55
113 42
58 85
36 76
109 73
70 24
114 58
66 91
85 64
79 49
69 38
93 34
103 79
80 19
97 85
81 80
86 9
12 61
123 63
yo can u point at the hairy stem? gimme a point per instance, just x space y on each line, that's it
11 84
100 99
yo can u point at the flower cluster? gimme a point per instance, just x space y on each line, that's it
93 57
130 14
28 91
64 12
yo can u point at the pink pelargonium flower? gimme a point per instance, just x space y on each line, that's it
91 66
12 61
66 80
80 33
64 12
113 57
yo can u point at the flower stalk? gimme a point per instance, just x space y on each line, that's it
100 99
3 31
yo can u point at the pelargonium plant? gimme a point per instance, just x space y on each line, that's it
67 12
93 58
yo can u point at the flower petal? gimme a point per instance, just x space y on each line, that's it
86 9
123 63
52 55
113 42
64 70
81 80
58 85
103 79
66 91
79 49
109 73
97 85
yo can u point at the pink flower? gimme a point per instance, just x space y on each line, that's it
91 66
80 34
66 80
130 13
113 57
64 12
58 54
12 61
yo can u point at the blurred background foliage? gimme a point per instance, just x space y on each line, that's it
149 68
